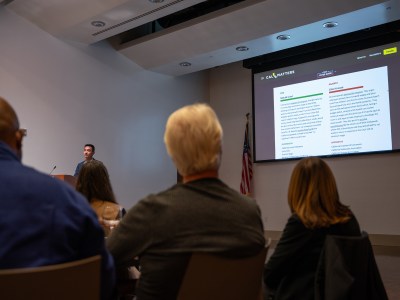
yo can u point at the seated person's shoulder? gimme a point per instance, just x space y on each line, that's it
51 188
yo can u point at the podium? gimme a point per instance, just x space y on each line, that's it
67 178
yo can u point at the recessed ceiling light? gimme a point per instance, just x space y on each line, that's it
242 48
330 24
185 64
98 23
283 37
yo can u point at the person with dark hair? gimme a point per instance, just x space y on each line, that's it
94 183
43 220
88 152
201 214
316 212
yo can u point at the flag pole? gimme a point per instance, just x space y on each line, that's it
247 163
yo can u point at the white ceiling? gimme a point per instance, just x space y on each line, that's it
209 40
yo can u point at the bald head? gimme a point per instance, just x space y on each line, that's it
9 126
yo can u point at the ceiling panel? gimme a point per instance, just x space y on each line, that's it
209 40
72 19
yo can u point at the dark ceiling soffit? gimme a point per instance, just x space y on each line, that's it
187 14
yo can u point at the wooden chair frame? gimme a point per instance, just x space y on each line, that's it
67 281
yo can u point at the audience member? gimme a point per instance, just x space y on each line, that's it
202 214
94 183
88 152
316 212
43 221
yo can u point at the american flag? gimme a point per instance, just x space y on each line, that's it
247 164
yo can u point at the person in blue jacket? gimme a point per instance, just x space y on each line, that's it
43 221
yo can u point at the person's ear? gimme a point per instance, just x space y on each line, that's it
18 139
18 142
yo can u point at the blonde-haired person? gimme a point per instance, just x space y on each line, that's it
316 212
193 138
94 183
202 214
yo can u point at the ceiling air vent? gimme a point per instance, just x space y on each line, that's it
137 17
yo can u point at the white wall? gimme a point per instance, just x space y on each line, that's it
369 183
69 94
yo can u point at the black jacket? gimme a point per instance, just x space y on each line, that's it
290 272
347 270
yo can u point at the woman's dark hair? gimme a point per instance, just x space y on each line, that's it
94 182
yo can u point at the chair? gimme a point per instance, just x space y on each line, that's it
210 276
67 281
347 270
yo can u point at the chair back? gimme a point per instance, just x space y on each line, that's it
67 281
211 276
347 270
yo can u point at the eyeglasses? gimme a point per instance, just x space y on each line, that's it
23 131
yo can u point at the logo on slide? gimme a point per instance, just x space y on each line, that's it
277 75
326 73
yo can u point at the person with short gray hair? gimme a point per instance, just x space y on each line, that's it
193 138
202 214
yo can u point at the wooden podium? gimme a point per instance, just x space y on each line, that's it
67 178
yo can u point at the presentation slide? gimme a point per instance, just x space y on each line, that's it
352 108
339 105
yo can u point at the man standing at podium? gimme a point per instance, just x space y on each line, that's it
43 221
88 152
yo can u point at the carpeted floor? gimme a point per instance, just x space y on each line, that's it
389 267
